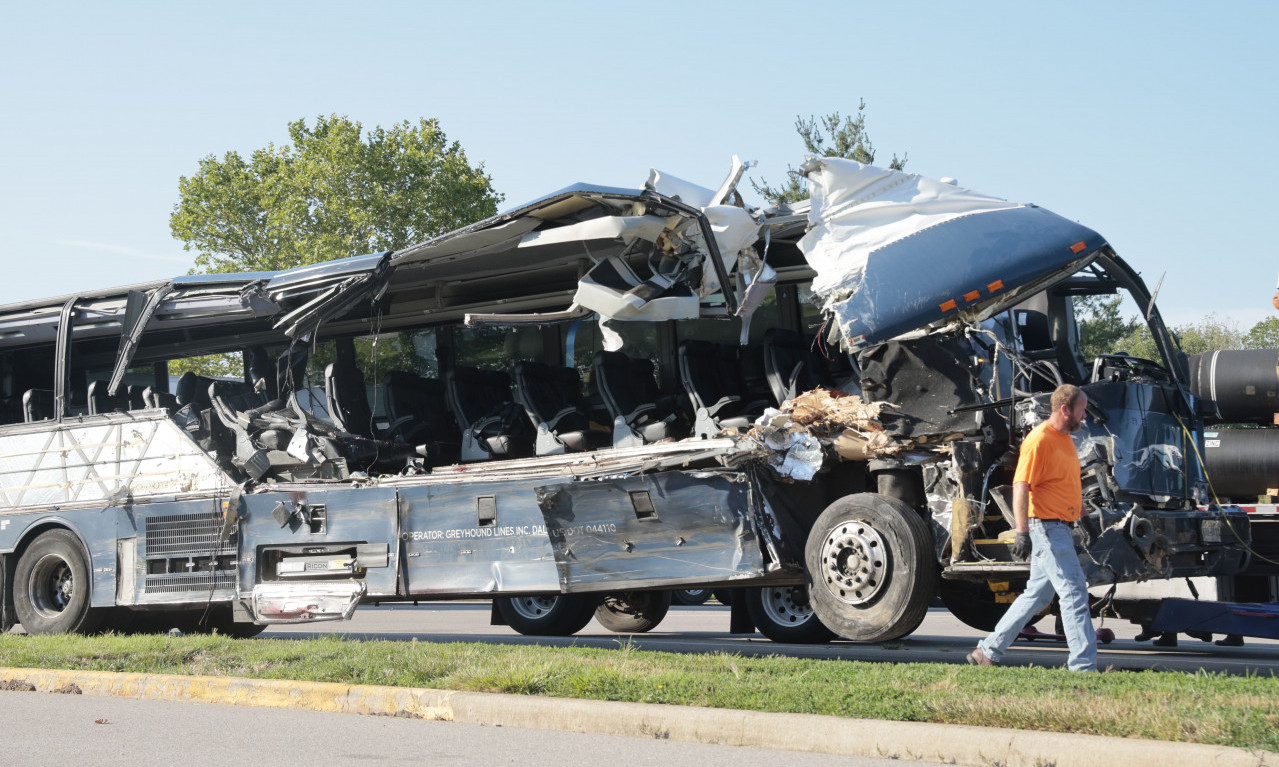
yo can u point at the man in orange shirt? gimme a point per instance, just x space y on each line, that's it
1047 498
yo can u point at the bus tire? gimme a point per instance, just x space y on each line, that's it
871 566
7 619
784 614
558 615
633 612
690 597
52 586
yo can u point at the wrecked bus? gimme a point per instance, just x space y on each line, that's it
582 403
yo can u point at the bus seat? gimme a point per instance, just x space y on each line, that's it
136 399
711 376
193 390
420 415
348 400
37 405
791 366
152 397
101 402
492 424
552 397
630 392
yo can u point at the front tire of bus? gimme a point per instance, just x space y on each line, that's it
871 566
784 614
52 585
633 612
554 615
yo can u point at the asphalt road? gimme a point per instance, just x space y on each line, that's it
941 639
51 729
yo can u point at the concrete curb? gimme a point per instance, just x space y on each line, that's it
951 744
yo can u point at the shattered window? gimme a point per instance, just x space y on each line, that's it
810 313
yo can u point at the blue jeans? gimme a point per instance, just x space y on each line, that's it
1054 566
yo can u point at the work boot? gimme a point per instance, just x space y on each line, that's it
1166 639
978 657
1230 640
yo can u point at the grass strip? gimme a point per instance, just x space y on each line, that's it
1198 708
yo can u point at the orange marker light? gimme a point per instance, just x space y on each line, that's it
948 305
996 285
1078 247
972 295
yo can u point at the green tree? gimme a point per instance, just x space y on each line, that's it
210 365
1211 333
833 135
1101 326
1263 335
335 192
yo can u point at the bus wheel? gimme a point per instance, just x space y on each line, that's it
52 585
558 615
784 614
633 612
690 597
872 568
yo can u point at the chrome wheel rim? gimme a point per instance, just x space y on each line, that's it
787 605
52 586
854 562
534 608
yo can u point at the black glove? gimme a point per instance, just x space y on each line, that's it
1021 547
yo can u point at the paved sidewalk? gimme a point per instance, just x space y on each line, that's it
948 744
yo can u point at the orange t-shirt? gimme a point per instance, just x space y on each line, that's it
1049 464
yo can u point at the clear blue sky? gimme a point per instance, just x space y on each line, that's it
1153 123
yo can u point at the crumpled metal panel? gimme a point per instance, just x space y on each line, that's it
101 460
449 549
1147 442
273 519
305 602
896 251
669 529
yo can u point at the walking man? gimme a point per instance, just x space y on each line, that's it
1047 498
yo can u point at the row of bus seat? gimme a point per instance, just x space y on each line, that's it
540 409
38 404
474 414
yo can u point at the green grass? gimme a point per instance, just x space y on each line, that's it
1200 708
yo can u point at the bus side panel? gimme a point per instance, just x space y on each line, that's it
347 521
96 529
477 538
675 528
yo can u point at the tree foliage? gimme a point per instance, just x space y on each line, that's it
336 191
1263 335
1101 325
833 135
1102 330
